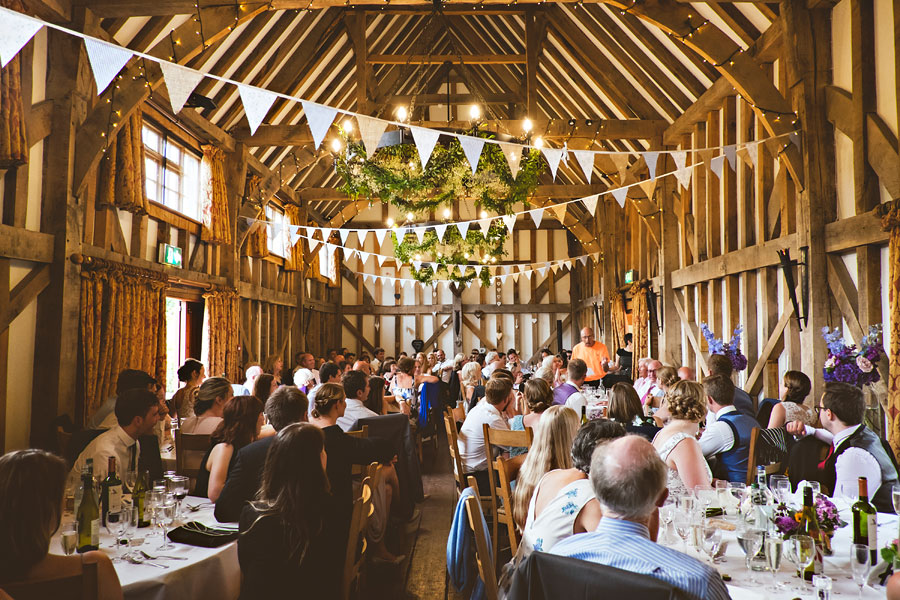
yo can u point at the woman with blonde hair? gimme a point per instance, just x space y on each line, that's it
471 384
551 449
273 366
677 443
538 398
791 408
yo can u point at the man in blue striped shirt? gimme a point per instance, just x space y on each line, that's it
629 480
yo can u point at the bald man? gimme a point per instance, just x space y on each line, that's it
629 480
596 357
687 374
650 387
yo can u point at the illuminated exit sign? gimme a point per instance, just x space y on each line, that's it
171 255
630 276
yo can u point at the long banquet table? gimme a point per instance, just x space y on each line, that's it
207 572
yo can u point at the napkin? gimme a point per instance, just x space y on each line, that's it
198 534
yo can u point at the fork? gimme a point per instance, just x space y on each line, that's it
151 557
136 561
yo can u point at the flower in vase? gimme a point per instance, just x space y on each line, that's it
864 364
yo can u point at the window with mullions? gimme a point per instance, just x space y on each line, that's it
172 173
278 235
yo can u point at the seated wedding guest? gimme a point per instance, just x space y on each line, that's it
209 404
382 403
264 387
330 373
356 389
677 443
407 381
498 398
687 374
546 374
377 360
105 417
290 534
32 485
242 420
629 480
491 361
388 369
253 371
569 393
308 361
641 383
551 450
362 366
791 408
191 373
472 388
624 356
538 398
287 405
304 379
727 438
719 364
856 451
273 366
137 412
666 377
625 408
546 522
650 386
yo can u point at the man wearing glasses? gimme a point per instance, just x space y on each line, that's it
854 450
595 355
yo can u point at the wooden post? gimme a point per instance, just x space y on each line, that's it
670 341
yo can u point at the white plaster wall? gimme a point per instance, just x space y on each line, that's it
841 75
885 84
843 176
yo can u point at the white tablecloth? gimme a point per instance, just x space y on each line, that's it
208 572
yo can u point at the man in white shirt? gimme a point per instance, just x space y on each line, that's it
491 363
855 451
727 438
650 386
137 411
569 393
377 360
498 397
356 387
443 368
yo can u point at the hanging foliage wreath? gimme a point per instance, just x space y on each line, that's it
394 174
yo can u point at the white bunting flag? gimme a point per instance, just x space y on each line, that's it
684 176
294 235
106 61
513 154
463 227
650 158
620 194
379 235
257 103
679 156
590 203
585 160
326 233
509 221
180 82
478 270
649 186
472 147
716 165
344 234
309 244
795 139
503 279
440 230
364 257
349 253
420 233
536 215
417 264
370 132
553 155
559 211
543 270
425 140
380 258
16 30
621 161
485 226
582 260
753 153
731 155
319 118
528 274
554 267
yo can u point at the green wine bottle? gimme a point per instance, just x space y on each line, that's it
865 524
110 492
88 516
584 418
138 497
809 525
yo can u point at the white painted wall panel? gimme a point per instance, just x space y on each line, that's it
885 76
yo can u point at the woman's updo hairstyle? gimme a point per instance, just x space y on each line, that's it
188 369
687 401
667 376
208 392
538 395
327 395
797 387
407 365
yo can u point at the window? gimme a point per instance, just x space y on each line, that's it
183 337
172 173
278 235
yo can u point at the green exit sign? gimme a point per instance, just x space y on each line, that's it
171 255
630 276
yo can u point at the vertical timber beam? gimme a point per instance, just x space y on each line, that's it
670 341
535 28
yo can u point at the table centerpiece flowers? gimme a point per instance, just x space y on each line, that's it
787 520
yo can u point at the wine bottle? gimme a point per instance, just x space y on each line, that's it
110 492
139 495
766 494
88 515
584 418
809 525
865 526
761 522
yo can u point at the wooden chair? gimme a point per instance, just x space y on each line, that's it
507 470
483 558
494 440
185 443
356 542
363 433
84 586
753 459
459 470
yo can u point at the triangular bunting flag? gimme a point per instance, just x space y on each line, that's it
554 267
440 230
294 236
684 176
706 155
257 103
585 160
349 253
582 260
536 215
364 257
379 235
381 258
553 155
478 270
731 155
559 211
326 233
16 30
344 234
620 194
679 156
543 270
513 154
753 153
590 203
319 118
420 233
795 139
484 225
503 279
463 227
106 61
370 132
509 221
180 82
417 264
472 147
716 164
621 161
529 273
650 158
425 140
649 186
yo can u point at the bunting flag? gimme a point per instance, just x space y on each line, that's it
585 159
485 226
294 236
425 140
559 211
349 253
513 154
106 61
620 194
381 258
420 233
543 270
472 147
528 274
679 156
257 103
731 155
590 203
417 264
478 270
684 176
509 221
753 153
180 82
621 161
649 186
795 139
440 230
364 257
553 155
536 215
319 118
16 30
650 158
583 260
463 227
379 235
344 234
716 164
370 132
326 233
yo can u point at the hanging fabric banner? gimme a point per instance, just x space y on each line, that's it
379 235
15 31
650 158
509 221
620 194
536 215
319 118
590 203
180 82
649 186
425 140
485 226
731 155
472 147
106 61
716 165
420 233
257 103
684 176
463 227
553 155
370 131
440 230
679 156
513 154
585 159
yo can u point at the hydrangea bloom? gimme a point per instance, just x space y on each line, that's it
732 349
848 364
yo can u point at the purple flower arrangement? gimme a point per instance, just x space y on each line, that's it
787 520
732 349
848 364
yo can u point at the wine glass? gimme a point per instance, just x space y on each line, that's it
685 503
774 547
738 492
801 551
777 487
712 539
783 490
705 494
722 492
666 514
178 486
152 502
682 522
112 526
68 537
167 517
859 563
129 478
750 540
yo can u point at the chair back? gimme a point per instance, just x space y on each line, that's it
185 444
459 472
507 470
493 440
483 556
764 411
356 540
756 455
83 586
361 433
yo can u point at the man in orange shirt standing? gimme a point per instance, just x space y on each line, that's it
595 355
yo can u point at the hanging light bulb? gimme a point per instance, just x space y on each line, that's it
527 125
475 112
484 214
539 142
412 164
410 216
336 145
389 222
466 256
401 113
447 213
348 125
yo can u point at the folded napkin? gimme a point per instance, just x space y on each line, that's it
198 534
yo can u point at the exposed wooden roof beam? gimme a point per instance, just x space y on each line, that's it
439 59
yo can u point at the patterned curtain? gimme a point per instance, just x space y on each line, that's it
639 320
123 326
13 141
257 239
890 221
294 261
223 310
121 177
216 221
617 316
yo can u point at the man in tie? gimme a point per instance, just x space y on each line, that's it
855 450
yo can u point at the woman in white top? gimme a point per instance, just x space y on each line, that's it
677 443
212 396
791 407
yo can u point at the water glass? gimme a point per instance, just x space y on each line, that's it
781 488
112 526
682 522
666 514
167 517
801 550
712 540
738 493
68 537
859 564
750 540
822 585
705 495
178 487
152 503
774 548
